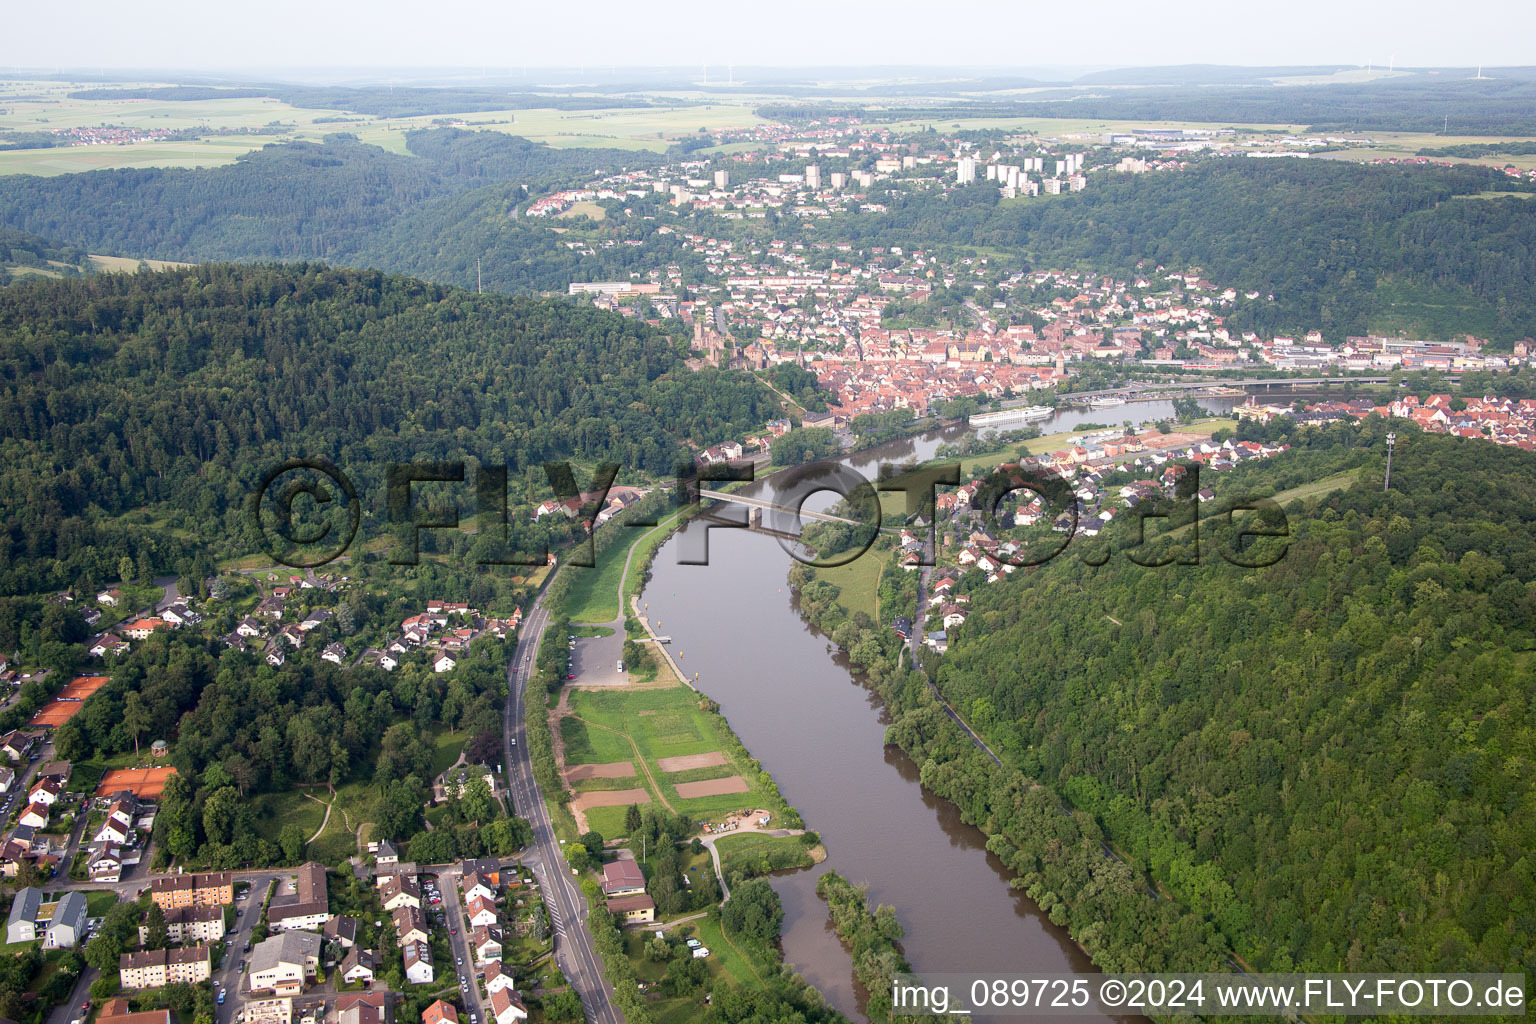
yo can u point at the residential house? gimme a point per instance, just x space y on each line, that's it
45 791
110 643
35 815
418 963
66 928
115 1011
157 968
105 863
21 926
140 629
18 745
358 965
487 869
484 945
269 1011
363 1008
440 1013
184 925
397 891
117 828
410 926
341 929
285 963
506 1007
472 885
214 888
309 910
481 912
496 978
637 909
622 878
316 618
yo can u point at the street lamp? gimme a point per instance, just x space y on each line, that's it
1391 443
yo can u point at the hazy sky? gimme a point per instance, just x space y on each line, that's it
241 34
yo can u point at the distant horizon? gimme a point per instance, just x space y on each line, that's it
290 35
639 78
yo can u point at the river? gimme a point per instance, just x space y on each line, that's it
821 735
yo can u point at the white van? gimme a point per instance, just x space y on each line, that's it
621 664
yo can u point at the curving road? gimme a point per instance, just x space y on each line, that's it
574 951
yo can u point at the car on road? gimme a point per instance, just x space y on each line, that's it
221 997
514 741
571 676
453 931
459 960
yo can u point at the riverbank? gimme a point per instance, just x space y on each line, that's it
653 772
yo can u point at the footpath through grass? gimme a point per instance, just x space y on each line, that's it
594 592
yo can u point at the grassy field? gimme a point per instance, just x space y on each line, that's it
594 593
274 810
446 747
750 847
127 265
859 580
1318 488
586 208
644 726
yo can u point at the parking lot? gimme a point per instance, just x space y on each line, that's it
595 660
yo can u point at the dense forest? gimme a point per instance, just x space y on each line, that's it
1414 103
288 200
1327 764
1320 236
174 391
20 251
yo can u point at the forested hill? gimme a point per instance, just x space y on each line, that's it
287 200
1330 762
176 390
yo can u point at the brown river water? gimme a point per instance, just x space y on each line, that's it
821 735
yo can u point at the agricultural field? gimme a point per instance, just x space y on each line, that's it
644 727
46 106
